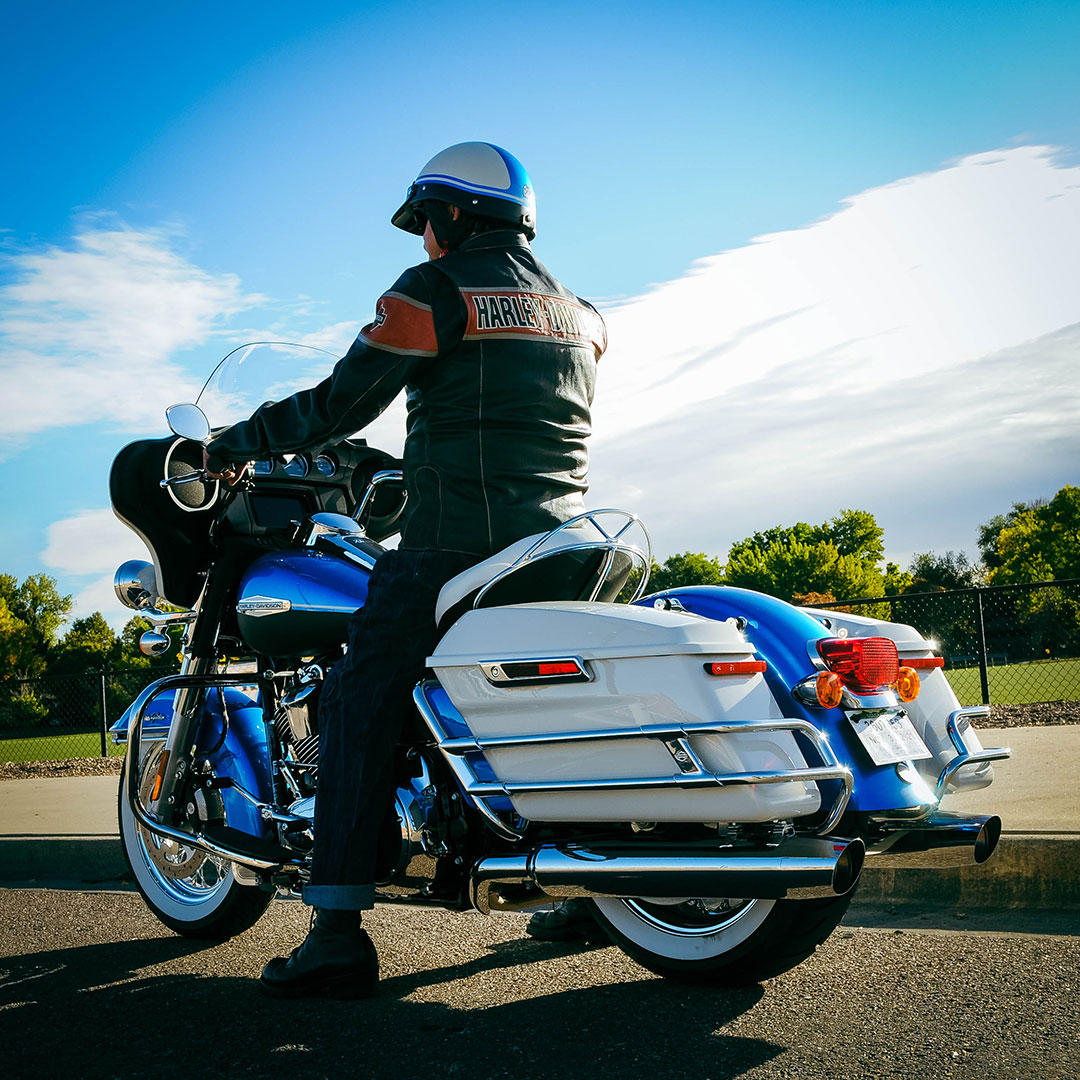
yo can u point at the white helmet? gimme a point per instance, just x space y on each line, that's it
481 178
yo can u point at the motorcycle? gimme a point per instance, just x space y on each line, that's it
709 768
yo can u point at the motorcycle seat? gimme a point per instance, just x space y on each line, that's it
574 562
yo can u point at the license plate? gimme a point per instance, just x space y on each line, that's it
890 738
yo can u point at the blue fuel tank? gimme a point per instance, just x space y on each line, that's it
298 603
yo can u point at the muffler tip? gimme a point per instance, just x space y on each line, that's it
987 841
849 867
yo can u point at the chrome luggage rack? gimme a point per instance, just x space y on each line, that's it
692 773
964 756
610 540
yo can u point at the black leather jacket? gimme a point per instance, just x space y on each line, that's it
499 363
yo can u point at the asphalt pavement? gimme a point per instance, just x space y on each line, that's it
92 986
63 832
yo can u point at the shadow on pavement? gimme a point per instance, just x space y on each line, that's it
130 1009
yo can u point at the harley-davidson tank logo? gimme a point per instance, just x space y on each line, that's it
258 606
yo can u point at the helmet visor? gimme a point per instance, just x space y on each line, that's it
410 215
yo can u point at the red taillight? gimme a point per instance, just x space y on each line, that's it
863 664
736 667
558 667
925 663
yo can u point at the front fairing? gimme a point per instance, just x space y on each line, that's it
780 633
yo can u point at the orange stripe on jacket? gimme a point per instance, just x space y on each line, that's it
402 325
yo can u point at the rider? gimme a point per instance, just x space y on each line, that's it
498 361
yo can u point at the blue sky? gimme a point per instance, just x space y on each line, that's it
184 176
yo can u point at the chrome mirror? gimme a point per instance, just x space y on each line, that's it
135 584
188 421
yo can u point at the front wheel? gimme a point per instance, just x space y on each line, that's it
719 942
191 892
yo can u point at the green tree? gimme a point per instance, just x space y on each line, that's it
930 572
896 580
689 568
89 645
33 611
1040 542
990 531
837 559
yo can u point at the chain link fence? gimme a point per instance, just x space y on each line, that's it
1005 645
56 717
1002 644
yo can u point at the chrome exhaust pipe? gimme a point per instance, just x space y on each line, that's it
939 840
797 868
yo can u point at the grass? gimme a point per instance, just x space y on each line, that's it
1019 684
57 747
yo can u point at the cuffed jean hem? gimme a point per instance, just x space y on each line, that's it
340 897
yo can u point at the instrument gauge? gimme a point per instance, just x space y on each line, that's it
264 468
327 465
299 467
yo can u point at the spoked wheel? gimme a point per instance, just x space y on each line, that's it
191 892
721 942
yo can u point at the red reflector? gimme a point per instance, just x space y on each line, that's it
924 663
558 667
863 664
736 667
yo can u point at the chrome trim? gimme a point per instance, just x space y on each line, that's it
353 554
159 618
696 776
154 643
185 478
326 524
459 766
139 811
258 607
135 584
965 756
611 542
495 670
798 868
940 839
383 476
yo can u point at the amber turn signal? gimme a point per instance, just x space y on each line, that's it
907 684
830 690
163 767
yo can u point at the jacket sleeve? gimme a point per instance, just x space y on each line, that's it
383 358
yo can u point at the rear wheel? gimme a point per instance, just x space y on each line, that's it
720 942
190 891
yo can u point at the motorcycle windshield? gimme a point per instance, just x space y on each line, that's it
260 372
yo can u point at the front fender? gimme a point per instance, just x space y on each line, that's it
244 755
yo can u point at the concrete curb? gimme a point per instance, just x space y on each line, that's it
1039 873
71 860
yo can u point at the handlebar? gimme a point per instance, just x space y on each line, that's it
184 478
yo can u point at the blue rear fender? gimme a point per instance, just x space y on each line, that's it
244 755
783 635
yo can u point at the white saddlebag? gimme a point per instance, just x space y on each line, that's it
646 667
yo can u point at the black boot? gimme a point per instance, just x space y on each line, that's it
572 920
336 960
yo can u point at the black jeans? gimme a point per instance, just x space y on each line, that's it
365 703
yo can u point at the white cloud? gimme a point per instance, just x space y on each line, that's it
89 332
90 542
906 355
93 543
